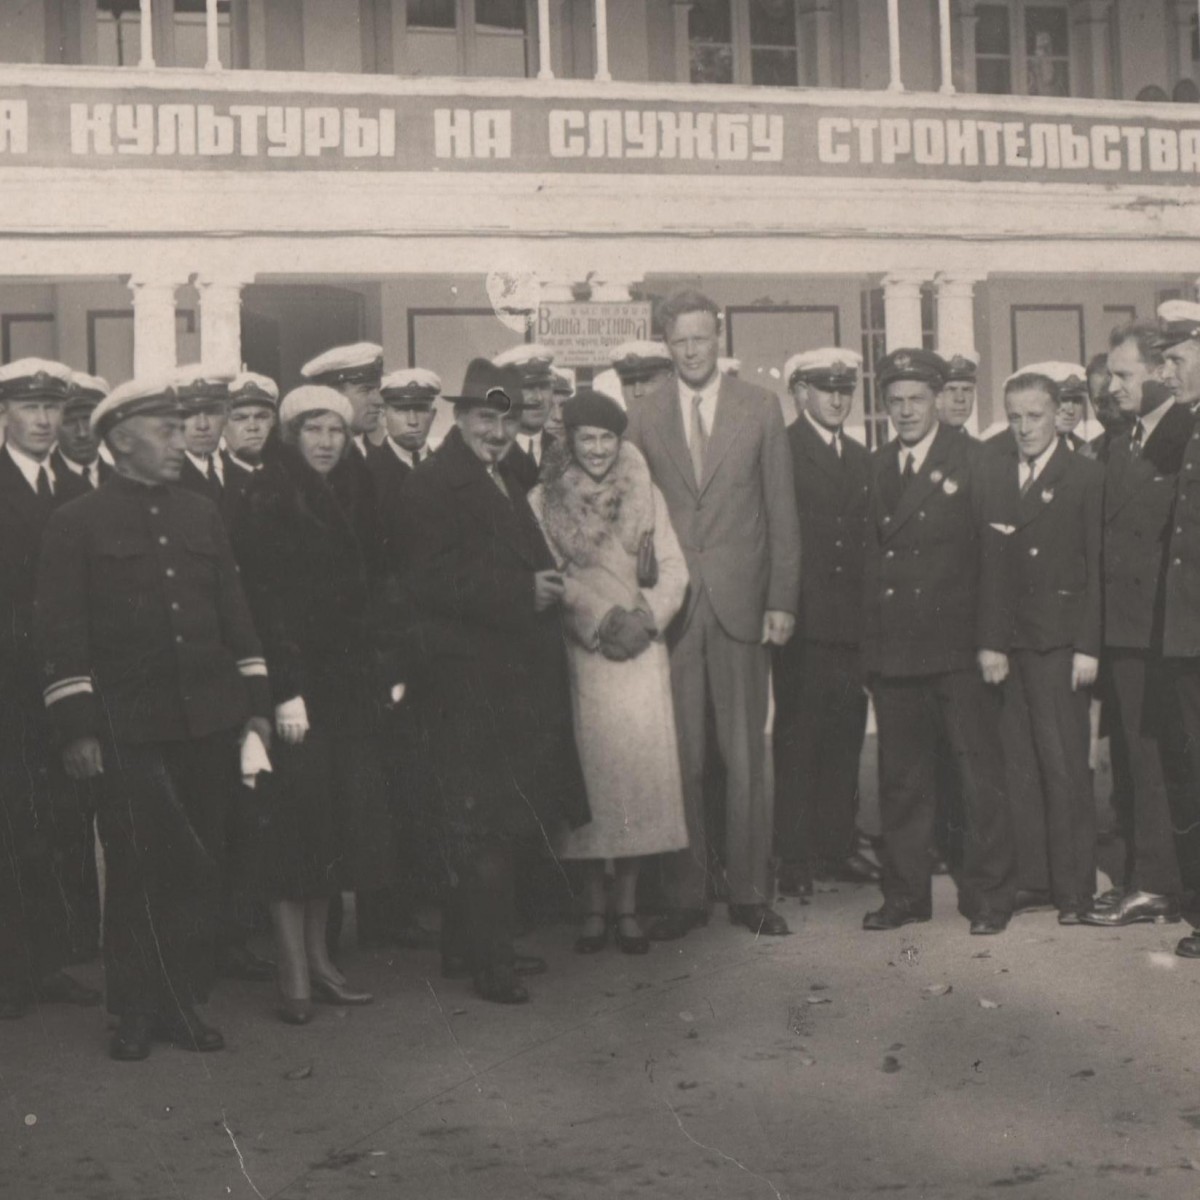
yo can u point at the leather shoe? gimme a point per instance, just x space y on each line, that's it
1135 907
892 916
1032 900
60 988
630 943
330 991
1071 914
1189 947
676 924
593 943
759 919
855 869
498 984
455 966
240 962
183 1028
988 922
131 1042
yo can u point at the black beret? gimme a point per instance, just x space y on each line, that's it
591 408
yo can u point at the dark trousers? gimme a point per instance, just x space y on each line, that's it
1185 795
162 820
1118 755
913 715
1141 689
46 913
820 723
479 918
1046 733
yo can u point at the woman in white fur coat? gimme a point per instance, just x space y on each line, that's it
601 513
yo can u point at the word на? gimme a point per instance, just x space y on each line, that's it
613 133
240 131
1037 145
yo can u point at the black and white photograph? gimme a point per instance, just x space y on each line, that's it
599 598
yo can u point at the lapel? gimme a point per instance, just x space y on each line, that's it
20 496
922 487
1033 503
728 424
670 429
470 479
1128 475
822 456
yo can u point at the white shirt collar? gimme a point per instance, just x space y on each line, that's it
919 452
1150 420
360 441
826 435
29 467
249 468
1039 463
708 404
200 462
708 391
409 458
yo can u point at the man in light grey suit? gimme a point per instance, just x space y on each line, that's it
717 450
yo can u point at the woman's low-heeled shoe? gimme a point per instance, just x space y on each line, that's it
593 943
328 991
637 943
295 1012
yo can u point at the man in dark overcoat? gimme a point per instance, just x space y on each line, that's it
820 701
1042 505
1139 501
490 673
44 839
932 625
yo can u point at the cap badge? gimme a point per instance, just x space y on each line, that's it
959 363
903 361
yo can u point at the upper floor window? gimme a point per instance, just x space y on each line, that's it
191 35
467 37
744 41
119 32
1023 48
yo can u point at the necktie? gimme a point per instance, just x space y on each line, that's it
836 443
213 477
699 438
1027 471
909 470
531 450
1135 445
44 491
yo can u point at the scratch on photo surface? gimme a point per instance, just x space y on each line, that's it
241 1161
741 1166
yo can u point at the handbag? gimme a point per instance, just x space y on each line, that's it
647 561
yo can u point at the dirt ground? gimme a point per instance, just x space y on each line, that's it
1043 1063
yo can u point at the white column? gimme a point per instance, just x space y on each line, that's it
212 35
822 29
602 72
895 84
545 70
956 321
902 310
153 323
967 22
147 31
221 322
945 45
1093 19
681 15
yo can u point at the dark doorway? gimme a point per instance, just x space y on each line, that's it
283 327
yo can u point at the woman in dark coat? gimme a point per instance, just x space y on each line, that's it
311 583
491 690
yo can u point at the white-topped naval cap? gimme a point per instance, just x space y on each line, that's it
1068 375
361 362
88 387
824 367
152 395
251 388
532 359
411 383
34 378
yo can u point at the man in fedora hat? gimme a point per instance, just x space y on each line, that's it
489 674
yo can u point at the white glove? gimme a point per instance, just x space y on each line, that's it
398 692
291 720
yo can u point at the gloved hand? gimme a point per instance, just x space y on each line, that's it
623 635
291 720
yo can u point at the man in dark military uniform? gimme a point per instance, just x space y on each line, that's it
1139 497
153 675
1043 508
206 395
43 828
1071 380
956 400
491 683
78 450
820 702
356 372
933 620
642 367
1179 340
535 365
253 411
408 412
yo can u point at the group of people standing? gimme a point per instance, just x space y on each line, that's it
272 657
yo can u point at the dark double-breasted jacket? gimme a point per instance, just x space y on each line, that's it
831 497
143 628
1139 503
932 598
1181 604
1048 542
491 671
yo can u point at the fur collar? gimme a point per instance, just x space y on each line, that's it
584 516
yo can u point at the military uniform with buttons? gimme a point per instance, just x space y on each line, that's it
149 653
932 601
820 701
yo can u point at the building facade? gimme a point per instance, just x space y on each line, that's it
251 181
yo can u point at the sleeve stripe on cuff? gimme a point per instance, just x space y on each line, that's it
67 687
252 666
